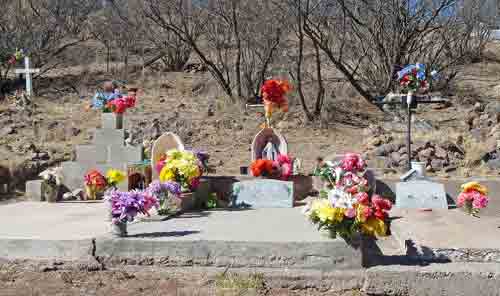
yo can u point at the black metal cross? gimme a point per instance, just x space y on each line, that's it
410 104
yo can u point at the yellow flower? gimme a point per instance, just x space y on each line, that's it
475 186
339 214
374 227
326 213
115 176
167 174
318 204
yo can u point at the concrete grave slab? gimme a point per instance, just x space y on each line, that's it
447 235
263 193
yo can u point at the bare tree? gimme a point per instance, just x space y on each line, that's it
235 39
368 40
44 29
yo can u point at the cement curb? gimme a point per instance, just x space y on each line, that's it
334 255
46 249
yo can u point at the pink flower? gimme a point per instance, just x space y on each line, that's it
380 214
350 213
195 183
150 202
363 198
480 202
159 165
353 162
286 171
465 197
283 158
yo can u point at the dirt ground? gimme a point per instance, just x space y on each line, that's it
23 279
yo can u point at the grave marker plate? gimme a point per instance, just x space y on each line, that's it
264 193
420 195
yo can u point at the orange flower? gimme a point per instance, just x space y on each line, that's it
275 90
261 166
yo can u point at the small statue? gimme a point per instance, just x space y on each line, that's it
270 151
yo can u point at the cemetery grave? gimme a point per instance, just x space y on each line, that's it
256 222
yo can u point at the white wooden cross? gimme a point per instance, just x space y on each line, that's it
27 71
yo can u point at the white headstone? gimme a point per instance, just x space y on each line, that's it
166 142
27 71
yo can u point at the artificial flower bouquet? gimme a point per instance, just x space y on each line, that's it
125 206
274 96
413 78
16 57
96 183
166 193
346 207
183 167
280 169
120 105
473 198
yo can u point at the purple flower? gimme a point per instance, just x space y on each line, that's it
125 206
157 188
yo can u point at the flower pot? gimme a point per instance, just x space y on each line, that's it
185 202
112 121
119 229
51 192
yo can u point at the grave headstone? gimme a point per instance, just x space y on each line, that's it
108 151
27 71
164 143
420 194
34 190
263 193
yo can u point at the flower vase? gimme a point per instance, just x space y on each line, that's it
109 215
112 121
50 192
119 229
91 192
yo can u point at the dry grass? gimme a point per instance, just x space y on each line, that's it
235 284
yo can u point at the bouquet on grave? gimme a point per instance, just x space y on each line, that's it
282 168
273 93
183 167
16 57
345 208
120 105
166 193
96 183
473 198
125 206
413 78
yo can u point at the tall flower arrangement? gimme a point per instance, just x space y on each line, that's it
473 198
274 93
347 208
183 167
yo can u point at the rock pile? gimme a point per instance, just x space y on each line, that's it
443 156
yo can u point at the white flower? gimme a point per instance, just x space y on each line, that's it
52 173
341 199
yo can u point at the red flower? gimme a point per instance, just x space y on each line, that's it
381 203
95 178
130 101
275 90
367 213
352 190
380 214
